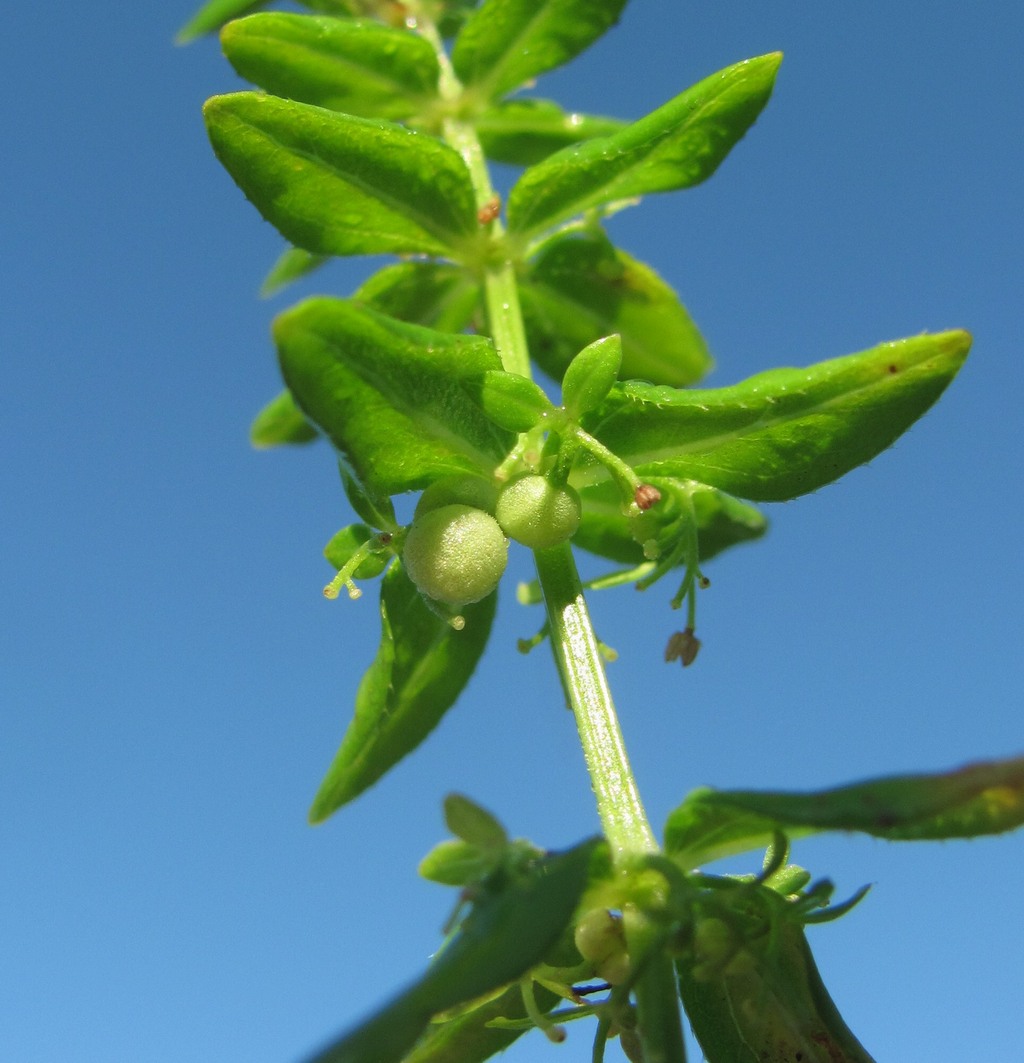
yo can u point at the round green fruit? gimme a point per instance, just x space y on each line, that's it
536 513
455 554
600 938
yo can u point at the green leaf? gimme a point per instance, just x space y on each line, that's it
351 65
292 265
774 1007
677 146
342 546
591 374
280 422
421 668
211 16
473 824
454 862
452 17
436 294
344 8
474 1036
338 185
399 401
581 287
506 43
512 401
985 798
374 507
524 132
785 432
508 932
722 521
511 930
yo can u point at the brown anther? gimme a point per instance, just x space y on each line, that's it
645 496
682 646
490 210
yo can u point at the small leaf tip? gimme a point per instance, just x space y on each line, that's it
962 339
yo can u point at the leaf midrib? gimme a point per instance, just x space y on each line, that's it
396 206
378 382
609 189
365 73
713 442
539 17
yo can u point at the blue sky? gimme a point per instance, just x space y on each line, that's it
172 684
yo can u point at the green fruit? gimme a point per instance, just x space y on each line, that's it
600 938
455 554
713 941
536 513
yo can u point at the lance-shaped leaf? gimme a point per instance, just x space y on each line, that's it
505 43
421 667
722 521
279 422
508 932
985 798
787 431
581 287
770 1004
442 296
211 16
591 375
677 146
338 185
399 401
351 65
436 294
524 132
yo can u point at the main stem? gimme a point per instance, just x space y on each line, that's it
501 292
581 669
572 637
572 634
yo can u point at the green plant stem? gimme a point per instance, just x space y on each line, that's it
501 292
623 818
581 669
659 1021
574 643
572 635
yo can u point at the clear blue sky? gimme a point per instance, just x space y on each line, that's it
172 684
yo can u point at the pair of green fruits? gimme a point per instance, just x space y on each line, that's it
457 547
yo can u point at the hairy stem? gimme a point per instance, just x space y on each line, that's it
572 635
501 292
573 641
623 818
581 669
